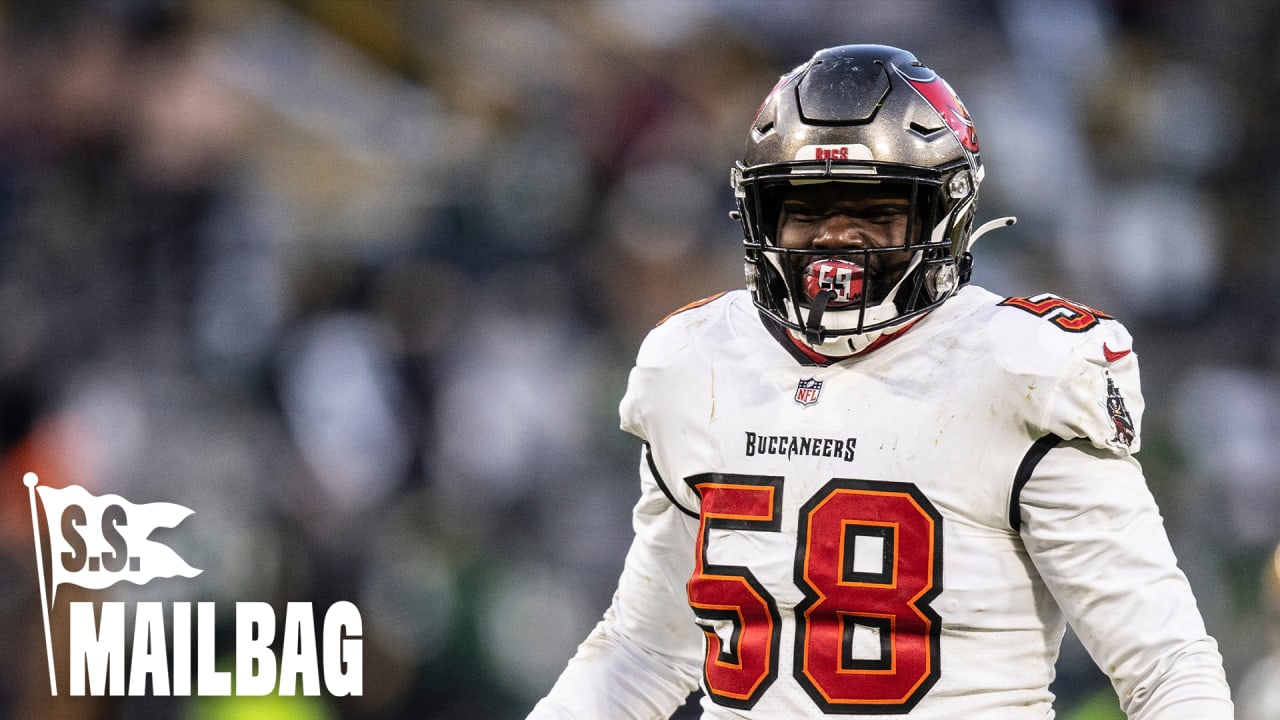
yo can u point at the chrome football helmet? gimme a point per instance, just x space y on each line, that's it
859 114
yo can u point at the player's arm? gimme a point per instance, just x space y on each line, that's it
1094 532
642 660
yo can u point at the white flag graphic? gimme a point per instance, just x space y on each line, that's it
98 541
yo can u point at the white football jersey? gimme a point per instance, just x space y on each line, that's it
904 533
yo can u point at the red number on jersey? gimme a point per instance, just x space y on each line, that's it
868 560
1070 316
736 672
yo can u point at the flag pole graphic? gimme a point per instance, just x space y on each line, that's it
30 480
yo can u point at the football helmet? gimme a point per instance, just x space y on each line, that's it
859 114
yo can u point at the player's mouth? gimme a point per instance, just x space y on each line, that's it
842 279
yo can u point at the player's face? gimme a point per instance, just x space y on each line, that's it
842 216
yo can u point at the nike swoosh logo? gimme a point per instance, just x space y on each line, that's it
1113 355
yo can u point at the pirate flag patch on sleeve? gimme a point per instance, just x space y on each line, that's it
1120 419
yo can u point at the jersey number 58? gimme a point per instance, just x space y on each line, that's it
868 562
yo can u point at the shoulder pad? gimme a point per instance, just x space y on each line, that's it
1089 385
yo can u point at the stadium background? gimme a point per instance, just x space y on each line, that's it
360 283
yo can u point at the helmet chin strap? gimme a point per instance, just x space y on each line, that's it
844 345
813 323
832 344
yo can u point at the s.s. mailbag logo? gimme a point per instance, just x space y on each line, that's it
98 541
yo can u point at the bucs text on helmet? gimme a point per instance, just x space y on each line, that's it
860 114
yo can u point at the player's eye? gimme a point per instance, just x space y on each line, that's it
801 210
885 212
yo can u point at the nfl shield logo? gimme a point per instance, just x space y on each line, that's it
807 391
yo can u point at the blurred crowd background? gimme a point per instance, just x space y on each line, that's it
360 283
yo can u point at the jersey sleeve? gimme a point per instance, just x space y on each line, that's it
1074 369
643 659
1098 396
1095 534
667 390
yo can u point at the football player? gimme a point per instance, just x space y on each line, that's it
870 487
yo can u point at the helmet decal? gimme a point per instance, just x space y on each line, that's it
755 121
834 152
943 99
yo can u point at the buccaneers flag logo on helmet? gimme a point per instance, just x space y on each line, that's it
944 100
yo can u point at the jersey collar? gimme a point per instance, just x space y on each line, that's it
806 355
